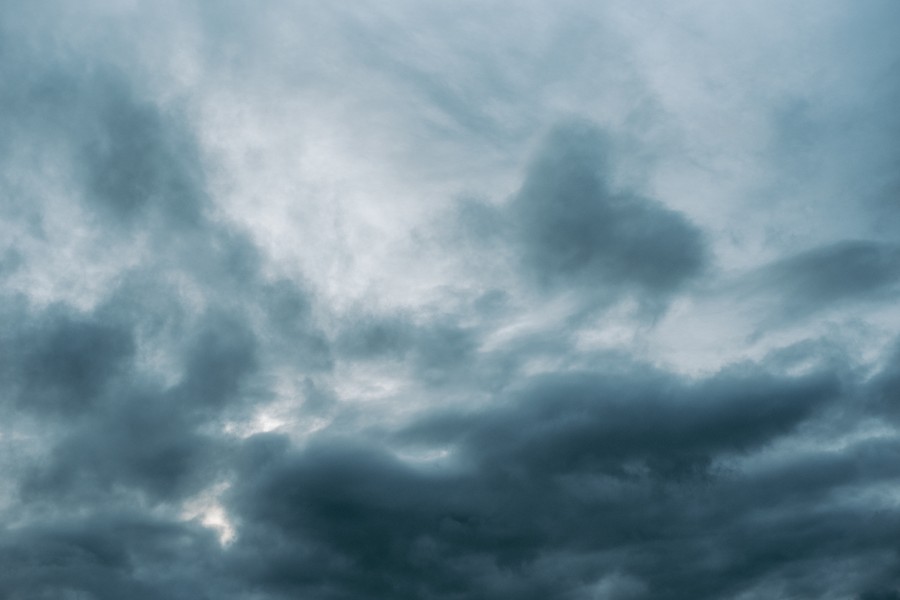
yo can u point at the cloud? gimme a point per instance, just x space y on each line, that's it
121 396
123 427
136 157
826 276
574 226
571 227
642 420
429 302
571 481
101 557
884 386
437 350
62 362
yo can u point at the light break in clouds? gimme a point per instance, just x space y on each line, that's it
450 300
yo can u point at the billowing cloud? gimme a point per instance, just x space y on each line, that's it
569 483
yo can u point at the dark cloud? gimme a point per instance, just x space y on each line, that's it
352 520
145 445
884 387
437 350
642 420
829 275
131 431
377 336
126 400
571 227
880 595
576 228
137 157
62 362
222 354
119 554
576 478
291 324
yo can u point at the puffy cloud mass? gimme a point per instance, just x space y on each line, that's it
449 301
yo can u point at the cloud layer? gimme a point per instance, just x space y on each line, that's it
449 302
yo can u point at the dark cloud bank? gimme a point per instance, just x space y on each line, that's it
606 477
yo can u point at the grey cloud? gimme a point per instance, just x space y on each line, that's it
575 227
127 399
10 261
443 350
351 520
435 349
640 420
62 362
824 280
377 336
880 595
605 474
571 227
884 387
832 159
843 271
135 433
121 554
222 354
135 157
144 445
132 431
291 329
522 457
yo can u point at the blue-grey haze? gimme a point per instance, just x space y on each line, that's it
450 300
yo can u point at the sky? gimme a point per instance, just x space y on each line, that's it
450 300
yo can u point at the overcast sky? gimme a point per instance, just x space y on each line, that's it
450 300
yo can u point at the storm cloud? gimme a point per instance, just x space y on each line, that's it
449 302
574 227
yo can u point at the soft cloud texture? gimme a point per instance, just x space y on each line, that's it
449 301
